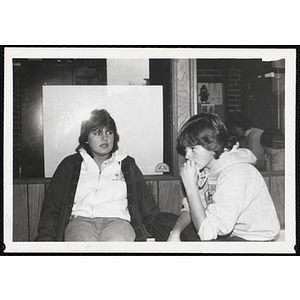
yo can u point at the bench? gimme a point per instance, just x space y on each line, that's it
28 196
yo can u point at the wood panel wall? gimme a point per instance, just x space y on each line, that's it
28 199
277 191
20 213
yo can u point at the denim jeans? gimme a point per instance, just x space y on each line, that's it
82 229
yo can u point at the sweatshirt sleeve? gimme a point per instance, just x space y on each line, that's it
227 204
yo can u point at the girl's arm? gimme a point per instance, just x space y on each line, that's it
189 175
182 222
196 208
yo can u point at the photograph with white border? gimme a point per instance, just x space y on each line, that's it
43 115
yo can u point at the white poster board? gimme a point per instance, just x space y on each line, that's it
137 111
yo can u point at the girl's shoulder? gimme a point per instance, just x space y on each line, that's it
129 159
239 171
70 161
76 157
128 163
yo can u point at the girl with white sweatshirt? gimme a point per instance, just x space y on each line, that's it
226 196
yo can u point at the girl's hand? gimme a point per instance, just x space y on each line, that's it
189 174
236 146
268 162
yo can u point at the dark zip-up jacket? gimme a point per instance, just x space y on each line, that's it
59 199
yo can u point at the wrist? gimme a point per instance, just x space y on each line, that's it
191 187
192 194
175 232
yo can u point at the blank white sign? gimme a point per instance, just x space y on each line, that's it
137 111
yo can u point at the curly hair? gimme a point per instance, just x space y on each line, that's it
208 131
99 119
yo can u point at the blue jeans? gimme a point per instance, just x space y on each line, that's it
82 229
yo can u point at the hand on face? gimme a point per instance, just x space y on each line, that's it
200 157
189 173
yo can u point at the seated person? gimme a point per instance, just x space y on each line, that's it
240 126
98 193
272 141
226 196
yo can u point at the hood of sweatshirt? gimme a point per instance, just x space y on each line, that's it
233 157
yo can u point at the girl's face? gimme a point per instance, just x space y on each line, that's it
202 157
101 142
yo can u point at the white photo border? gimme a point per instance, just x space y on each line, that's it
266 54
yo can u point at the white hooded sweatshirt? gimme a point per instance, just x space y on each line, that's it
236 199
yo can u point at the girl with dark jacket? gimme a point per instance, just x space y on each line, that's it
98 193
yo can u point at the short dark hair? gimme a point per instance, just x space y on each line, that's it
208 131
272 138
238 119
99 119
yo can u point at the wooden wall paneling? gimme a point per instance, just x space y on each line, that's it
154 189
278 196
20 213
170 196
36 193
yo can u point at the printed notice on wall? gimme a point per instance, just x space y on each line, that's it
137 111
210 92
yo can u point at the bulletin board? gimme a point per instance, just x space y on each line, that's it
137 111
